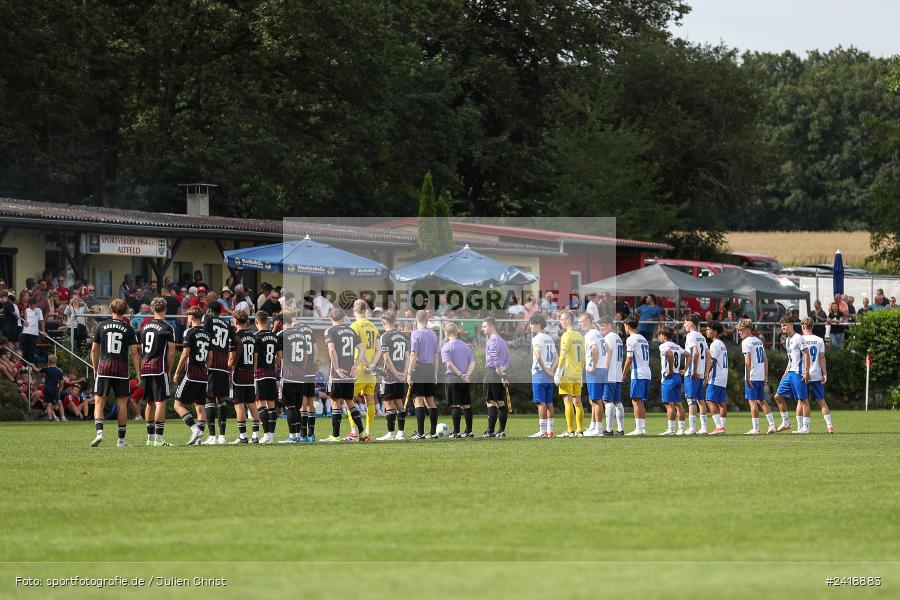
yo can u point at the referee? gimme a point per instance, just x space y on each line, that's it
459 361
422 375
496 362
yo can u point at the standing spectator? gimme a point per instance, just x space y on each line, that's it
265 288
271 305
837 319
531 307
863 310
53 377
593 308
34 326
173 307
289 303
61 290
9 327
90 299
623 309
225 299
322 307
126 287
820 319
547 304
880 301
198 279
75 321
606 305
841 304
514 309
241 302
193 298
41 302
892 303
851 310
650 316
133 300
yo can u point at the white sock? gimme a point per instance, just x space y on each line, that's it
703 421
771 419
717 420
722 421
785 419
542 427
620 416
195 429
549 425
827 419
692 421
641 424
610 412
806 423
755 423
681 424
799 422
671 425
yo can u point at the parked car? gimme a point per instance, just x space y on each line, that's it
848 271
761 262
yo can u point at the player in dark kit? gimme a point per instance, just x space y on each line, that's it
267 358
217 388
394 353
243 389
158 347
192 372
342 342
113 341
298 384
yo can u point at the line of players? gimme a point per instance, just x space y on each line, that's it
220 363
599 360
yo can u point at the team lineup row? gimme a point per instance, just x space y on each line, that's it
221 363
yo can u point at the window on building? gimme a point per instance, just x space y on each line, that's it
184 272
140 266
102 281
208 275
575 281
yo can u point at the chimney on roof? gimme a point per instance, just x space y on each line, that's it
197 198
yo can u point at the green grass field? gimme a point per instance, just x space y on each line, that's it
651 517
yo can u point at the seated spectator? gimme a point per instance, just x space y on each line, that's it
892 303
73 404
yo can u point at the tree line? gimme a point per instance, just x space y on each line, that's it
516 107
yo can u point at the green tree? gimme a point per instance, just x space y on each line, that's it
444 229
427 234
885 207
816 116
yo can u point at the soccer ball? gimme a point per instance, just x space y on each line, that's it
442 430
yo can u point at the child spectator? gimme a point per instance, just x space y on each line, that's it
53 377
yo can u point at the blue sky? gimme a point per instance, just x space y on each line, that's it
798 25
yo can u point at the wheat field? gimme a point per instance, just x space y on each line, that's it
795 248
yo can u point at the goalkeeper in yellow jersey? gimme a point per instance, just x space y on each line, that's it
364 388
569 374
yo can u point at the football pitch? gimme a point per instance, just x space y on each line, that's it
734 516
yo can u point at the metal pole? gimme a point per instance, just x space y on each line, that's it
818 296
868 372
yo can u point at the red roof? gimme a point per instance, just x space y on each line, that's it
537 234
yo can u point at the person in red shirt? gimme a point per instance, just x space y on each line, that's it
61 289
137 396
